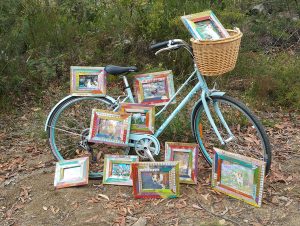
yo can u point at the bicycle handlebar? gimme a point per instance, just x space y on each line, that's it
171 44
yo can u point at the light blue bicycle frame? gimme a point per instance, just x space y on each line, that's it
206 93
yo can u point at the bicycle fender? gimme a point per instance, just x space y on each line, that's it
65 99
198 103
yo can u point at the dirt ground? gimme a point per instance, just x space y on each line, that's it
28 197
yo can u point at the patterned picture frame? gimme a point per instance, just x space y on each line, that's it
69 173
109 127
155 179
204 26
117 169
87 81
187 156
155 88
238 176
143 117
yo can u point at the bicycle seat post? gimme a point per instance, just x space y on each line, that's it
127 89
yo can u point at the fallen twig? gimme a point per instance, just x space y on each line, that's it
216 215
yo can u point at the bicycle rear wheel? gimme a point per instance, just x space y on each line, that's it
250 137
68 129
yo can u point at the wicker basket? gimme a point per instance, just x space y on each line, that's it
218 56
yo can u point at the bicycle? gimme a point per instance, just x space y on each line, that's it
217 119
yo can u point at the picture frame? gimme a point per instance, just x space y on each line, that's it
155 179
187 156
87 81
238 176
204 26
70 173
143 117
117 169
155 88
109 127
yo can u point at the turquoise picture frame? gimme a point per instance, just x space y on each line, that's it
70 173
117 169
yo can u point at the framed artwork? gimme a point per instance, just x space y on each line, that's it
69 173
117 169
204 26
154 88
142 117
155 179
109 127
238 176
88 81
187 156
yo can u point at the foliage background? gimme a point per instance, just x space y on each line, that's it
41 39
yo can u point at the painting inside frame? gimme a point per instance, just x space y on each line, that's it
109 127
117 169
187 156
205 26
155 179
155 88
238 176
87 81
143 117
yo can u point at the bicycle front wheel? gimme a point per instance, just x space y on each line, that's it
68 129
250 138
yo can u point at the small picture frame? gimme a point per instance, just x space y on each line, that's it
155 179
187 156
154 88
117 169
142 117
109 127
238 176
205 26
88 81
69 173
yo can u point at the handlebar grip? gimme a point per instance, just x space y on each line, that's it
159 45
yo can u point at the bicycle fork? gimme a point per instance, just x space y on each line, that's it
205 93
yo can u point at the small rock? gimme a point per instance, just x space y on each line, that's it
222 222
140 222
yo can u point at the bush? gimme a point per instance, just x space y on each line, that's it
40 40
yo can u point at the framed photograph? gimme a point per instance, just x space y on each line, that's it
155 179
154 88
109 127
88 81
69 173
238 176
142 117
204 26
117 169
187 156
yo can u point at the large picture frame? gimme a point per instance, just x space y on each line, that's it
187 156
69 173
204 26
87 81
117 169
238 176
109 127
143 117
155 179
154 88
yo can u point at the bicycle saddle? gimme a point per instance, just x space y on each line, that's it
116 70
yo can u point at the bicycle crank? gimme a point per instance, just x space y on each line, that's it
146 146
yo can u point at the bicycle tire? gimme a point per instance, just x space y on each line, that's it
241 108
57 114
